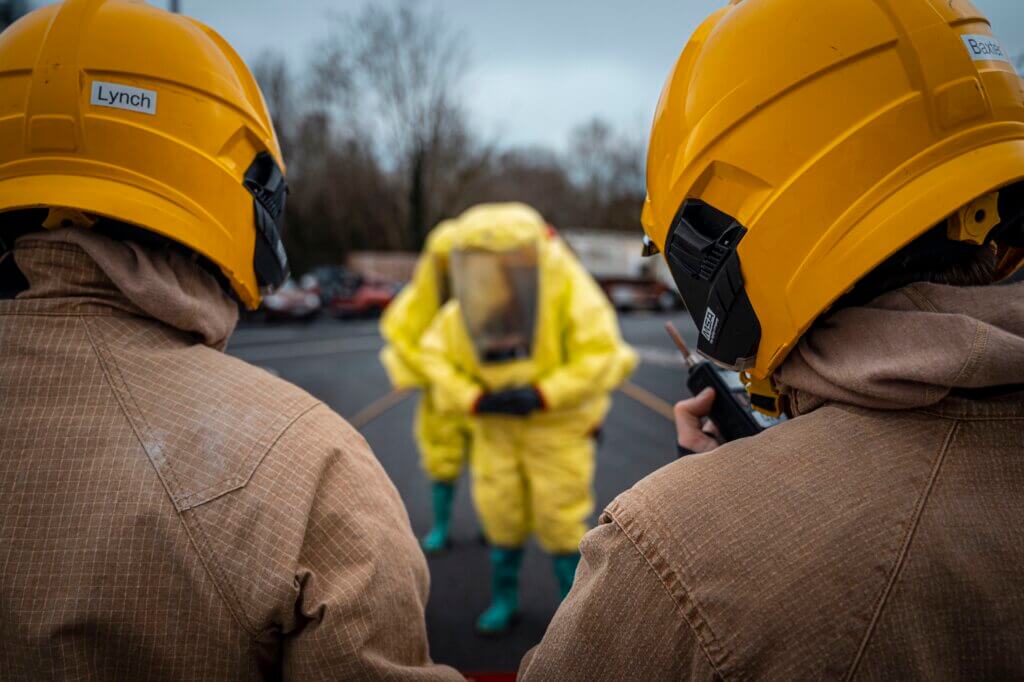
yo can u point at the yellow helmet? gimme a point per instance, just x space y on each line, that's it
797 145
125 111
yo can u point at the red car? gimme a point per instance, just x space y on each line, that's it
347 294
368 300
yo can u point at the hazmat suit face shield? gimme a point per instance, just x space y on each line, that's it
497 293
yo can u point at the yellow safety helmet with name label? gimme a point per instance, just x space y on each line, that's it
797 145
125 111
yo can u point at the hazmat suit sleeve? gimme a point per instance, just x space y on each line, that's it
452 389
597 359
404 322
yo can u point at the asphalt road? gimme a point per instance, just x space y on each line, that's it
337 363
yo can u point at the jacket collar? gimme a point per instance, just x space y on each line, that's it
75 271
923 346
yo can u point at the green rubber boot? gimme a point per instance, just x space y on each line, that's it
501 615
565 571
441 495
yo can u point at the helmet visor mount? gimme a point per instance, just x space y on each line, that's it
705 265
266 183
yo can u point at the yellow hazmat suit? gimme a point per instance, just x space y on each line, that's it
442 438
532 473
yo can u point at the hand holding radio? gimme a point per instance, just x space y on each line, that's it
731 418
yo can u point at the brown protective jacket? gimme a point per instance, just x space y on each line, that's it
169 512
878 535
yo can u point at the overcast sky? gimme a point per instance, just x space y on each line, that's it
539 66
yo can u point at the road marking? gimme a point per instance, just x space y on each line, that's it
378 407
659 357
285 348
395 398
649 400
309 349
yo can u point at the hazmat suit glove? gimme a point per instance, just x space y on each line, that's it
518 402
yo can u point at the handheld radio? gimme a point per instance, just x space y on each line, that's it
731 417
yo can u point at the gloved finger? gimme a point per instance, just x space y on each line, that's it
689 416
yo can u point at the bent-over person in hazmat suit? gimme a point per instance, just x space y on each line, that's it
530 346
838 189
443 439
168 512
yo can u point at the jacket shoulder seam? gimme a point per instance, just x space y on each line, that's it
196 528
904 550
200 544
108 365
702 643
243 481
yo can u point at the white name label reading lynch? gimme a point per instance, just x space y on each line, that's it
985 49
125 97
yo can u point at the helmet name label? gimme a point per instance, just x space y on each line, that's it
985 49
116 96
709 330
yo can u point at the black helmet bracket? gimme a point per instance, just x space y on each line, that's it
705 265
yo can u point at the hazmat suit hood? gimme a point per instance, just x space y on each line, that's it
495 269
911 348
577 355
167 285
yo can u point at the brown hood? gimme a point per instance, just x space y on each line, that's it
910 348
166 285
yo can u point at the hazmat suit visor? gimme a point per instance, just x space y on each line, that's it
497 293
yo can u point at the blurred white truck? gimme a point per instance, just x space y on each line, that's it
631 281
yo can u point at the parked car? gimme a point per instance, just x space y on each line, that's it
291 302
346 294
331 282
368 300
634 294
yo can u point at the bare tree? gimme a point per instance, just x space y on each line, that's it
395 72
276 82
535 176
608 169
379 149
341 199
